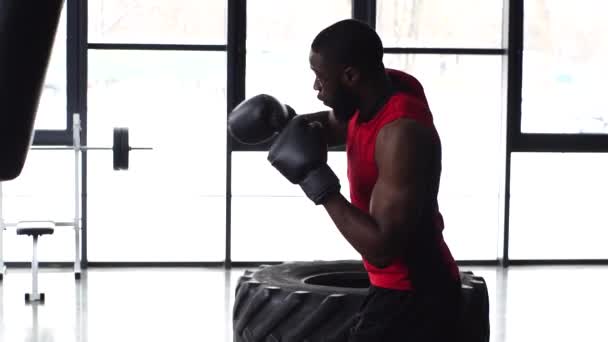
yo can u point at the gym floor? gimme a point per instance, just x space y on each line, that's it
564 303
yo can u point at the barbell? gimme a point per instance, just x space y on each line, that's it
120 146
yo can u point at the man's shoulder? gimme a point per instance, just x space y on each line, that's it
406 103
401 75
406 83
407 107
396 72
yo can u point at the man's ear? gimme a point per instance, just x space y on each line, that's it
351 76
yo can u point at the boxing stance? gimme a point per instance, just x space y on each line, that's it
394 167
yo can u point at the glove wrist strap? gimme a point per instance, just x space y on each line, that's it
320 183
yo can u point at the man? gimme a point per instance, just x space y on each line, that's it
394 166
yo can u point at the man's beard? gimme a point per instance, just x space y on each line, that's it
345 104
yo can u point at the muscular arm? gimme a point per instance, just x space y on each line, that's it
403 156
335 132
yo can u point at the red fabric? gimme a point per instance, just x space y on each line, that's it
408 102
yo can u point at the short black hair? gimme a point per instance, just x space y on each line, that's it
353 43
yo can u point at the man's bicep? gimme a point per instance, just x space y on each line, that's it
388 204
403 156
404 153
392 206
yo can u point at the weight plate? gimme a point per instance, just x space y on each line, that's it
125 149
116 142
120 149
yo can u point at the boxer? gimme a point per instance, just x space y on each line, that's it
394 168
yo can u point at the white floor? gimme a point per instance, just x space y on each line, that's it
528 304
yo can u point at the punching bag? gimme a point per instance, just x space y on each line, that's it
27 34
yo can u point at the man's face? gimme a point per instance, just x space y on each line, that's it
332 87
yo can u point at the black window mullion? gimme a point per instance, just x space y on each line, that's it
77 99
444 51
156 47
53 137
236 65
513 37
365 10
562 143
515 68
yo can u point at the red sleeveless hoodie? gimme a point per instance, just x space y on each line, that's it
408 101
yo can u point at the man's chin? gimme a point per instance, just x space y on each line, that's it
343 115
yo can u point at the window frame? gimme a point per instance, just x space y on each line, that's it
235 48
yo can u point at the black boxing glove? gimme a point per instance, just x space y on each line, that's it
300 154
258 119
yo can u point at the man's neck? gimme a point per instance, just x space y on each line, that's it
374 97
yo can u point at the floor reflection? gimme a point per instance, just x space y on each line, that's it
196 304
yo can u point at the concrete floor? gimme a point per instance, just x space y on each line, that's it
527 304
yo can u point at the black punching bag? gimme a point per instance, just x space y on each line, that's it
27 34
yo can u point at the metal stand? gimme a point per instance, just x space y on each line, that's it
82 293
34 297
76 137
2 228
76 223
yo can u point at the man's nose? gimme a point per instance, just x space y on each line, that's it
316 85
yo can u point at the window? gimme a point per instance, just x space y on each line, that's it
564 67
464 93
157 21
52 108
440 23
466 97
170 204
273 220
558 206
44 191
279 35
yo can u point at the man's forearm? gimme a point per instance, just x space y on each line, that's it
322 117
334 132
360 230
